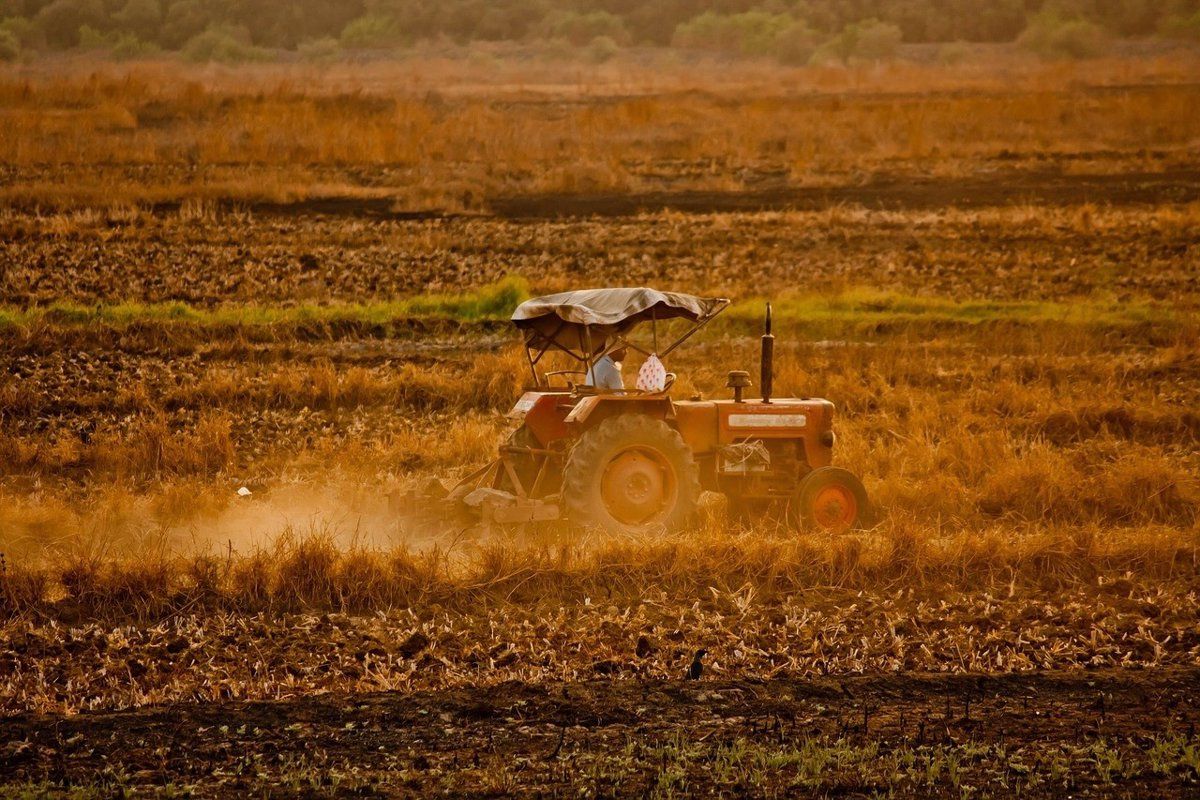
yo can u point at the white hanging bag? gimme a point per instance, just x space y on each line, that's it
652 377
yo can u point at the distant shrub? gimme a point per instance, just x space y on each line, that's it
26 33
580 28
129 46
183 20
119 45
875 40
1181 26
869 40
61 20
708 31
748 33
602 49
481 56
141 18
371 31
326 49
1051 36
92 39
954 52
827 53
226 44
557 49
10 46
795 44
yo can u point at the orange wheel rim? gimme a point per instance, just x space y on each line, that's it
834 508
637 486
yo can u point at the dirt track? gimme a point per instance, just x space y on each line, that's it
621 737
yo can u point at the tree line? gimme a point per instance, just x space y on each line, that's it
791 30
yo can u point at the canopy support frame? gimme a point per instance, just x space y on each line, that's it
543 343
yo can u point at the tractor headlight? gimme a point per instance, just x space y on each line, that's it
826 438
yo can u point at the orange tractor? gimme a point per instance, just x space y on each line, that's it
634 461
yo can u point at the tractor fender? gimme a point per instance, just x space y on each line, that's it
602 406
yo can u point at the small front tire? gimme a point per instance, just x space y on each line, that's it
832 500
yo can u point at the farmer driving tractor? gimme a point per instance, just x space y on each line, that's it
605 373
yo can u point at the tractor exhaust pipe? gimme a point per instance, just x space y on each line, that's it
767 363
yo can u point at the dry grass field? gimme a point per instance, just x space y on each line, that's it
424 138
299 283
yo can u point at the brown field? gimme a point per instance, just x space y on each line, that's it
420 140
298 283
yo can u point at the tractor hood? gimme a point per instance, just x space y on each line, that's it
562 319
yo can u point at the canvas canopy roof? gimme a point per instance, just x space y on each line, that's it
566 319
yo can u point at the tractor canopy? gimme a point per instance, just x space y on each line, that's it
582 323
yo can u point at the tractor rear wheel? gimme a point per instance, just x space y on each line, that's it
631 474
831 499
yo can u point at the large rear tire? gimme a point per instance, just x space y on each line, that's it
831 500
631 474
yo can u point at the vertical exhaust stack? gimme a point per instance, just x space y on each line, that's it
767 374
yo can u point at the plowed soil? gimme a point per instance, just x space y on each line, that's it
996 733
1057 238
895 193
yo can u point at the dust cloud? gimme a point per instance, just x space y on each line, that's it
183 521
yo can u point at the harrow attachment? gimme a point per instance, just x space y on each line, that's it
477 501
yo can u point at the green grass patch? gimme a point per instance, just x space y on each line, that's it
841 313
864 307
490 303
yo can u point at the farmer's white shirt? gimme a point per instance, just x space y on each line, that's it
605 375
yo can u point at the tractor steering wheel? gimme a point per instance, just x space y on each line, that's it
570 384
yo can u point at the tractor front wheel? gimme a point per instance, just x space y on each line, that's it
831 499
631 474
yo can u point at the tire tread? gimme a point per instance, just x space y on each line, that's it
584 457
